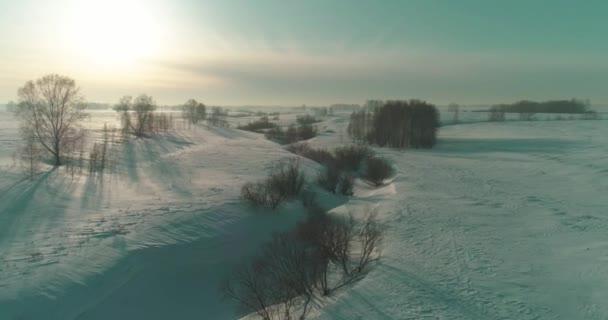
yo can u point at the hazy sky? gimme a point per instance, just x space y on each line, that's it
314 52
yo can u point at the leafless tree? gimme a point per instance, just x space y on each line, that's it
136 114
278 284
218 117
194 111
29 154
455 109
52 107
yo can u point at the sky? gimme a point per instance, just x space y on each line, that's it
314 52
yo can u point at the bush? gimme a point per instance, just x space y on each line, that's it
275 134
279 283
306 131
329 178
261 194
256 126
378 170
347 184
344 246
306 120
349 158
322 254
318 155
285 181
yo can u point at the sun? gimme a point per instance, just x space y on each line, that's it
114 33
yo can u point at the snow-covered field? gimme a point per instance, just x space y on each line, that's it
499 221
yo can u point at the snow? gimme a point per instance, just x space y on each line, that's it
499 221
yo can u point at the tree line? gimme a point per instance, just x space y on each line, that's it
396 124
52 109
553 106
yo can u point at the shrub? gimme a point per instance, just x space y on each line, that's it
349 158
306 131
318 155
256 126
278 283
285 181
261 194
329 178
345 247
347 184
378 170
275 134
306 119
322 254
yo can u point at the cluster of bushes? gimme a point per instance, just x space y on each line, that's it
306 119
319 256
284 181
292 134
343 164
260 125
555 106
396 124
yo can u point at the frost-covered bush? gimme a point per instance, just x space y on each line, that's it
378 170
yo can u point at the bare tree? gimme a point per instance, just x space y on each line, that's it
194 111
278 283
455 109
218 117
29 154
136 115
52 108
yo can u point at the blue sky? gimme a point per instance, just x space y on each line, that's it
309 52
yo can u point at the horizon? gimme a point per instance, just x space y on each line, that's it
273 53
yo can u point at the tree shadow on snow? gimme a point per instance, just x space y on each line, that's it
150 159
39 202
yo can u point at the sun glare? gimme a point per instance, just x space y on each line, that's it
113 33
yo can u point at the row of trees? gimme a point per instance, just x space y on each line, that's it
396 124
52 109
553 106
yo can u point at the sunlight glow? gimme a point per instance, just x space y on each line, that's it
114 33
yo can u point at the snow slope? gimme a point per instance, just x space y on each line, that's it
150 241
499 221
